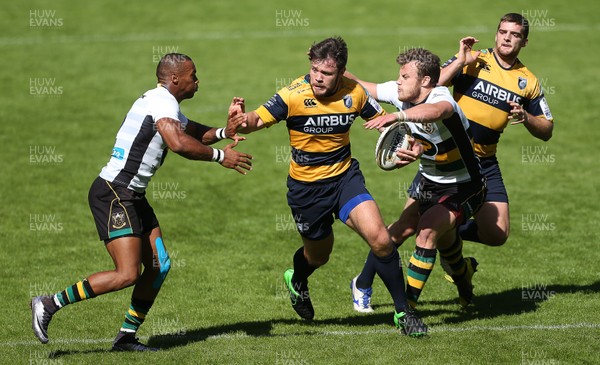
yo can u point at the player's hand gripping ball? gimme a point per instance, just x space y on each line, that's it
393 138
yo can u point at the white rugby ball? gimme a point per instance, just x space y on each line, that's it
392 139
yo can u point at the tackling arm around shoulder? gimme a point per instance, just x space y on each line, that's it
370 86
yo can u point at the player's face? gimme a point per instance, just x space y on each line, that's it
188 82
409 83
509 39
324 77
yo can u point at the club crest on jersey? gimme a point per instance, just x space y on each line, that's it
348 101
118 220
427 127
522 83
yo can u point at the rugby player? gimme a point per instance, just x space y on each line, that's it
324 180
493 87
448 187
124 219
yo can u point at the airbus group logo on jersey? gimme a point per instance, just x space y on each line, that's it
492 94
327 124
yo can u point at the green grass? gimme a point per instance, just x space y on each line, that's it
224 300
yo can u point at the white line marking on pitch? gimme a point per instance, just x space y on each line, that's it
237 335
271 34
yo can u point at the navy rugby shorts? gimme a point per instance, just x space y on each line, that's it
314 204
496 191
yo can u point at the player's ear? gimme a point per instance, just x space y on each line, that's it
425 81
174 79
524 42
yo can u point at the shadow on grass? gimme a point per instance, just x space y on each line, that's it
59 353
510 302
265 328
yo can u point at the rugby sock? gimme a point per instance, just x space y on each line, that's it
136 314
389 269
366 276
419 267
302 270
454 258
81 290
469 231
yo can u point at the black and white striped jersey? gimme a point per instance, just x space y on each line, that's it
139 149
448 155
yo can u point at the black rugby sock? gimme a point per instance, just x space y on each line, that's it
389 269
302 270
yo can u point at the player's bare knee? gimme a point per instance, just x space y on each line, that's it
127 278
497 239
426 239
382 244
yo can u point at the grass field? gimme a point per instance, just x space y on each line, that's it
70 72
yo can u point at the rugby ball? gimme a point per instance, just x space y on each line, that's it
392 139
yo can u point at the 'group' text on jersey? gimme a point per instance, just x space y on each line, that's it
448 155
139 149
319 129
483 90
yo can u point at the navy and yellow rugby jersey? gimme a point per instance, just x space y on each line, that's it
483 90
448 155
319 129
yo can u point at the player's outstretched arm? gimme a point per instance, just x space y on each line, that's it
209 135
422 113
249 122
464 57
370 86
381 121
240 121
427 113
191 148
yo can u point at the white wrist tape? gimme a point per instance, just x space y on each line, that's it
400 116
218 155
221 133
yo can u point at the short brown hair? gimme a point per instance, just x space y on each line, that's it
334 48
516 18
428 64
